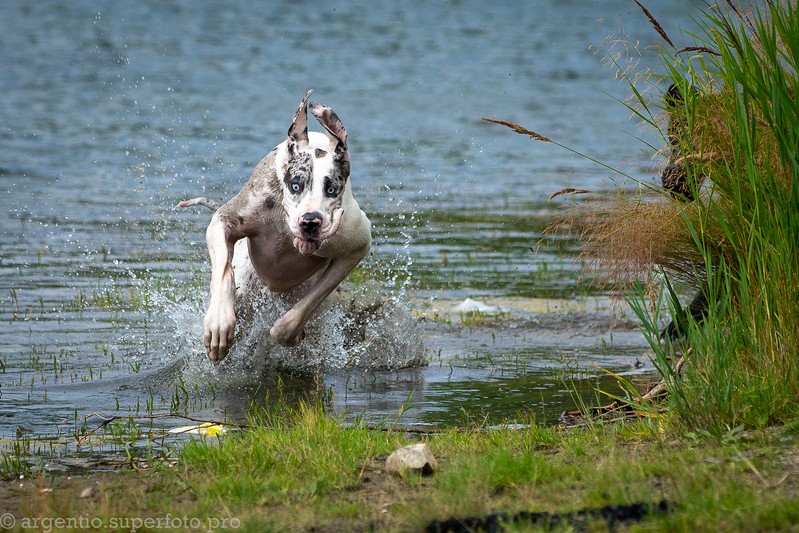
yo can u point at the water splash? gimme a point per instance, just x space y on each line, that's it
358 327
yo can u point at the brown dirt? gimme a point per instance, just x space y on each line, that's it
129 494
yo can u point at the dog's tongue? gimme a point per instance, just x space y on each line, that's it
306 247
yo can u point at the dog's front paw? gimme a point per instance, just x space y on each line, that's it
288 330
218 330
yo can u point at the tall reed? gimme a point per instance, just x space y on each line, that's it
726 221
737 139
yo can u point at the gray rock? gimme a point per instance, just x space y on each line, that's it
414 458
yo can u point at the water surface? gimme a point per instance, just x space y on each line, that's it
112 113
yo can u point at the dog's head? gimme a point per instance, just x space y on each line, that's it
315 175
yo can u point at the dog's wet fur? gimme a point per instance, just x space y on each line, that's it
303 229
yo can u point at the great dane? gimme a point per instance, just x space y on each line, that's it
304 230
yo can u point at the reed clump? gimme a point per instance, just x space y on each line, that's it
735 138
726 220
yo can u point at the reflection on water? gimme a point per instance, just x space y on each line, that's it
115 113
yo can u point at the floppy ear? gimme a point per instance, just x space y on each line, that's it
298 131
335 129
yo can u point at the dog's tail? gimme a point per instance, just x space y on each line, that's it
213 205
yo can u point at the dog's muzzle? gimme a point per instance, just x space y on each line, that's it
311 230
309 241
310 224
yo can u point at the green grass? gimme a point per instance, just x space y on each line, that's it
303 454
302 470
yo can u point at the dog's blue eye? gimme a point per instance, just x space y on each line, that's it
295 187
331 191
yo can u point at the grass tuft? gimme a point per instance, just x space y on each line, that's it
298 453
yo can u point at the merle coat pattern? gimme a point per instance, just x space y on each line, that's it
303 229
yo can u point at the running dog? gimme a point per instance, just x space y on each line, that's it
303 229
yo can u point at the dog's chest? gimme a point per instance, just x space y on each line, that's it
278 264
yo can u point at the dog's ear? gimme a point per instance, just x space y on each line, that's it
335 129
298 131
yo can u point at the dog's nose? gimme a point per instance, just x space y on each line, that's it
310 222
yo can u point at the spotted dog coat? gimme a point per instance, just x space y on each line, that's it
303 229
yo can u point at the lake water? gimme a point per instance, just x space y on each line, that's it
113 112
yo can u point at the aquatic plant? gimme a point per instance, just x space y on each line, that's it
732 230
724 221
743 123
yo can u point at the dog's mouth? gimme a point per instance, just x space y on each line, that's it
307 247
311 231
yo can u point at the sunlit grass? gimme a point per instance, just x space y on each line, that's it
300 469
